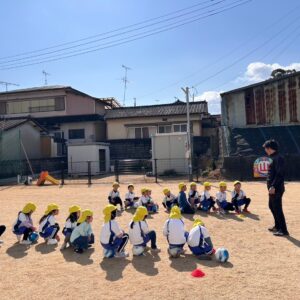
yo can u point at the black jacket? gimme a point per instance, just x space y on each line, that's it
276 172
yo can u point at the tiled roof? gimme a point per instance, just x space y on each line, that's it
7 124
176 108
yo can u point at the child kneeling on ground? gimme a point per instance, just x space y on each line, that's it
24 225
169 200
199 241
112 237
114 196
221 196
185 206
130 198
206 200
48 227
239 198
175 233
82 236
193 195
71 223
139 233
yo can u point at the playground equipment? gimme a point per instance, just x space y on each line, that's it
44 176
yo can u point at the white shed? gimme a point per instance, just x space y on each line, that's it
170 150
79 155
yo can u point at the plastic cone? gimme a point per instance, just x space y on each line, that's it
198 273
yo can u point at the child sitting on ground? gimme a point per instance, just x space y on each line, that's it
175 233
200 242
82 236
169 199
185 206
48 227
114 196
139 233
147 201
71 223
193 195
239 198
221 196
206 200
113 239
130 198
24 225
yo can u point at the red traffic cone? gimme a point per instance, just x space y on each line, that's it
198 273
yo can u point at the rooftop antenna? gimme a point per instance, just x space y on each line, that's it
8 84
46 76
125 80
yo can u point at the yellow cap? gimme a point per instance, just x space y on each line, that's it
115 184
29 207
181 185
175 212
166 191
198 222
140 214
84 215
206 184
148 189
108 209
236 182
144 190
50 208
130 185
74 208
222 184
193 184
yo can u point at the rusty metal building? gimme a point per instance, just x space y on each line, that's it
255 113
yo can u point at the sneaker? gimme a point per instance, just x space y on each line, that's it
156 250
25 242
79 251
245 210
52 242
237 212
273 229
63 246
121 254
214 208
280 233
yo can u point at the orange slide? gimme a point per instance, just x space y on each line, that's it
44 176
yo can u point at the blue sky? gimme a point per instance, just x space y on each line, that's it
160 64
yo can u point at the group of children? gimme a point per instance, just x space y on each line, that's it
78 232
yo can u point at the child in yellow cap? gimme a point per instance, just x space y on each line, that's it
239 198
48 228
114 196
185 206
193 195
139 233
199 241
130 198
169 200
71 223
24 224
207 202
82 236
147 201
175 233
221 197
112 238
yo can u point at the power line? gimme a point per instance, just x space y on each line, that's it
7 84
116 43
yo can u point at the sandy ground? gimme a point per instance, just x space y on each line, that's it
261 266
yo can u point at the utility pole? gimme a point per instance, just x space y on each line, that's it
8 84
46 76
125 80
189 146
134 102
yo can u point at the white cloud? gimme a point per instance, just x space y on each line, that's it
213 99
259 71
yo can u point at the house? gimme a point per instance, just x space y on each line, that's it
68 114
257 112
129 129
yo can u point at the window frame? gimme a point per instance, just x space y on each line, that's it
82 130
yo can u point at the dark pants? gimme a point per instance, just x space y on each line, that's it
115 201
241 202
2 229
83 242
275 205
151 236
26 233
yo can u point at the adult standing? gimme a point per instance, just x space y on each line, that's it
275 184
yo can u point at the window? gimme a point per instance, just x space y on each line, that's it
164 129
250 107
141 132
76 134
260 106
281 101
180 127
